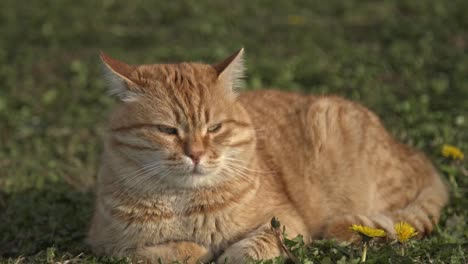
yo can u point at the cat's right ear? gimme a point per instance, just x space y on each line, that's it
118 74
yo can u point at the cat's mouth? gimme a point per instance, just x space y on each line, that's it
198 171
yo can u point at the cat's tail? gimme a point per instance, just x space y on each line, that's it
423 213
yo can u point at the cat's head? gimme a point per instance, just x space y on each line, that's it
178 124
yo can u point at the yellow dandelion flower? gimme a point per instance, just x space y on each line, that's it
368 231
404 231
452 152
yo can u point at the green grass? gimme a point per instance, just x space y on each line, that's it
406 60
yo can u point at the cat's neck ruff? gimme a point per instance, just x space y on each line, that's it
166 202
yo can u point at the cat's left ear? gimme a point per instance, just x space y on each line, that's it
231 70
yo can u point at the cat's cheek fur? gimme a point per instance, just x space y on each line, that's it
146 157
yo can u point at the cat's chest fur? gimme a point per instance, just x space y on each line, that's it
212 230
210 217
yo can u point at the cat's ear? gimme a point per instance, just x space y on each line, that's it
118 73
231 70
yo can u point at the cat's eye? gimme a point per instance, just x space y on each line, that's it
214 128
167 130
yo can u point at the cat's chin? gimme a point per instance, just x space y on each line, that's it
197 174
198 180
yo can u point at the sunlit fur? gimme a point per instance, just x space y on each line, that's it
319 164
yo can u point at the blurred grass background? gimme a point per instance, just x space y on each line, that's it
406 60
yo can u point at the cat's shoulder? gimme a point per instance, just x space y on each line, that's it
273 96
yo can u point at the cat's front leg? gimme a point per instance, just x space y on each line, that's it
182 251
260 244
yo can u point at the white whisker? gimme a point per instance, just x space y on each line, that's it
241 164
129 180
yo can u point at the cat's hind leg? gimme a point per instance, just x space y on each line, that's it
422 213
339 228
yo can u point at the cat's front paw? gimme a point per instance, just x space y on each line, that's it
236 254
253 248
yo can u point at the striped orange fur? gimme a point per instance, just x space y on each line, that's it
194 170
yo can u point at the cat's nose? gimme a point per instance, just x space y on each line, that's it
195 155
194 149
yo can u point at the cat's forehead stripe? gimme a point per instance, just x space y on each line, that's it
187 93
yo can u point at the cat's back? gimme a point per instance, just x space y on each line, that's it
270 108
293 117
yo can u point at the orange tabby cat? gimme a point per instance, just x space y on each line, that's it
192 170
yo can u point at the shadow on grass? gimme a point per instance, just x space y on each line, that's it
55 216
